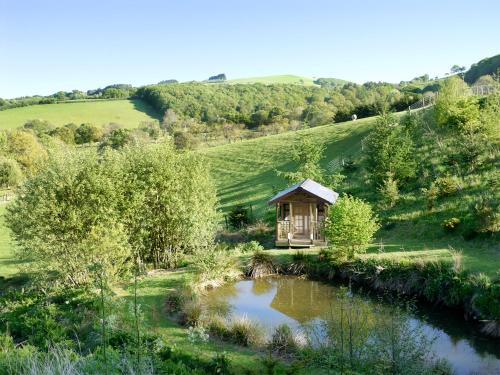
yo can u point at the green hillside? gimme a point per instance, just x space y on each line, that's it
283 78
244 171
128 113
245 174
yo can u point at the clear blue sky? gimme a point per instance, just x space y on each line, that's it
46 46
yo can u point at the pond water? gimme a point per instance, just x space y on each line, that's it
304 303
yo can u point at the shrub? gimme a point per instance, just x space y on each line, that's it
486 215
450 224
239 217
261 265
447 185
245 332
431 195
217 326
285 341
10 173
214 266
249 247
389 190
350 226
191 313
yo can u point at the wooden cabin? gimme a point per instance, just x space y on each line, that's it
300 212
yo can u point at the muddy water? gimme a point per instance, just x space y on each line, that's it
300 303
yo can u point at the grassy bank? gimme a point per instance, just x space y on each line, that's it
128 113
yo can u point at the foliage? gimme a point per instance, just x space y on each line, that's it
389 191
245 332
489 65
11 174
116 139
214 266
86 209
239 217
260 265
455 108
447 185
389 150
486 215
25 148
307 154
451 224
87 133
284 341
350 226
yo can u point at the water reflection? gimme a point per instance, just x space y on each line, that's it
298 302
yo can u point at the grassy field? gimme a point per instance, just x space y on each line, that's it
128 113
285 78
245 171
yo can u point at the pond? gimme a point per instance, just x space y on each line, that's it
306 304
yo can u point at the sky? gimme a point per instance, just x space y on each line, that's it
47 46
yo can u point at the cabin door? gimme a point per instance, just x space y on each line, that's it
301 221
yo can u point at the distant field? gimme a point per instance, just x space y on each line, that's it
286 78
128 113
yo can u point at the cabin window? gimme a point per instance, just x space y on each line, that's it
285 211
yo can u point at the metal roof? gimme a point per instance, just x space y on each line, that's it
311 187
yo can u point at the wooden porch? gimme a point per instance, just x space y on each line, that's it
300 224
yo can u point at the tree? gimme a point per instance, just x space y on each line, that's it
87 133
307 154
11 174
389 150
350 226
456 69
25 148
454 106
389 190
116 139
65 220
88 208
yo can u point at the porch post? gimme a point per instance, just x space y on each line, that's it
290 231
277 221
311 224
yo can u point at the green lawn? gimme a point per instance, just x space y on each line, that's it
128 113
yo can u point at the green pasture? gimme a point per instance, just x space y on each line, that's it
129 113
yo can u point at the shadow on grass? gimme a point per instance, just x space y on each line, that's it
144 107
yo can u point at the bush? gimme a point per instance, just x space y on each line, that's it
239 217
486 215
450 224
217 326
389 191
447 185
350 226
245 332
261 265
10 173
285 341
249 247
214 266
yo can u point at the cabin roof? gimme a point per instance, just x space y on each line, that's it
311 187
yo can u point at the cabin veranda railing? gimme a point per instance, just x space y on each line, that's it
286 231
